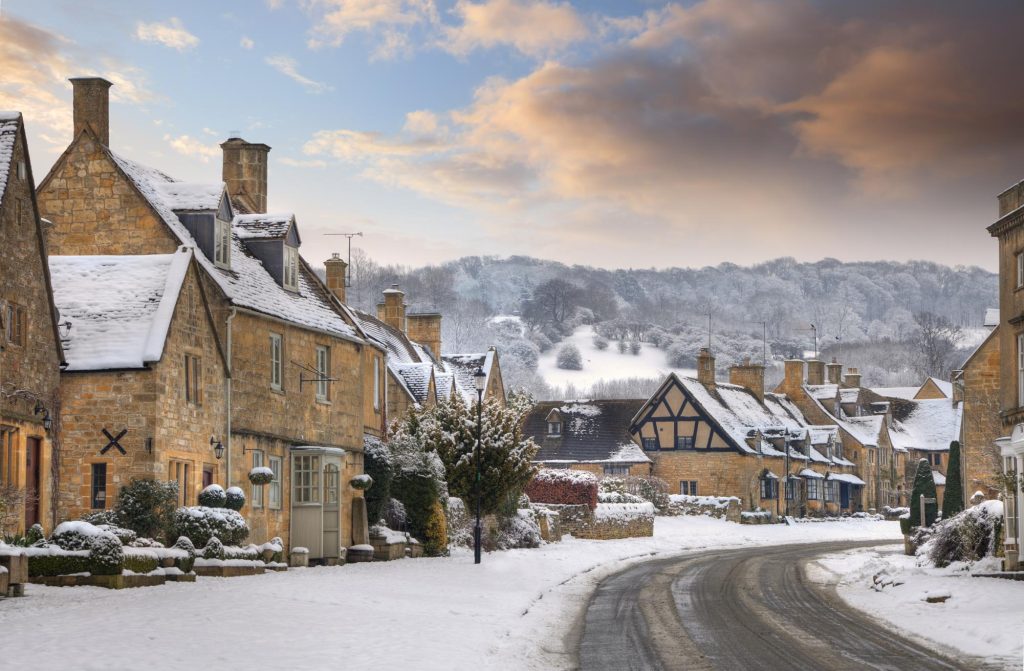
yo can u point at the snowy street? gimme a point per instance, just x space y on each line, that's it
514 611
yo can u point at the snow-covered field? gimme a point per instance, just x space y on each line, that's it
982 616
511 612
606 364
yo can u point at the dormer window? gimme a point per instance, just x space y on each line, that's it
221 243
291 268
554 428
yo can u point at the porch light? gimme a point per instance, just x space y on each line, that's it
218 447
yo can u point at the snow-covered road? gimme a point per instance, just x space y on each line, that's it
511 612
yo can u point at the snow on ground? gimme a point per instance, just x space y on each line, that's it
511 612
606 364
983 616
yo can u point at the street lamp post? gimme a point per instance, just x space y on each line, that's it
479 380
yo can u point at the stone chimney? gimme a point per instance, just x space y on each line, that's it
750 376
815 372
706 367
425 328
92 106
852 378
1009 200
245 173
835 372
336 268
392 310
793 376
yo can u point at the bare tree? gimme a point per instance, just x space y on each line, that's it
936 341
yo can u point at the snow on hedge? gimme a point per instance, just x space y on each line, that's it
712 501
624 511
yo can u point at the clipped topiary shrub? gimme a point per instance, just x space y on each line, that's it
213 496
249 552
564 487
106 555
213 549
76 535
953 497
58 563
185 564
126 536
924 485
418 491
146 507
234 498
435 538
200 524
361 482
139 560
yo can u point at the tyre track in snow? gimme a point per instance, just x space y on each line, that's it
733 610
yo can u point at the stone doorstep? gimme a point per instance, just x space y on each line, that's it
227 571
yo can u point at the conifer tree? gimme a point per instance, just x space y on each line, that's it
924 484
953 499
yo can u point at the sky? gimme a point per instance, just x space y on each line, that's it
607 133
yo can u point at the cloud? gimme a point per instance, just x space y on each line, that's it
246 43
534 27
288 67
299 163
171 33
392 20
190 146
36 64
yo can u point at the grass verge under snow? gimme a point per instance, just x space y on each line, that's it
511 612
982 616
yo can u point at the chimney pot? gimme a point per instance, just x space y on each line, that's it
336 275
244 171
706 367
91 106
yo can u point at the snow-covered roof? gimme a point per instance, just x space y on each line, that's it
944 386
247 284
119 307
263 226
181 196
822 391
443 385
849 395
905 393
593 432
416 377
866 430
931 425
9 122
992 317
464 366
846 477
808 473
939 478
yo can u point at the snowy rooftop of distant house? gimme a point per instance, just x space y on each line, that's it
463 366
905 393
944 386
443 384
590 431
992 317
8 136
119 307
865 430
416 377
247 284
191 195
257 226
932 425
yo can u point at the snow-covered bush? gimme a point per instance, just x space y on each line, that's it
517 531
643 488
126 536
261 475
377 463
634 347
600 342
106 554
361 482
213 549
75 535
213 496
967 537
234 498
460 530
569 357
35 534
248 553
100 517
618 497
565 487
140 560
186 563
146 507
200 524
394 514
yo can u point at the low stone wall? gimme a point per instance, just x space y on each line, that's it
721 507
756 517
608 521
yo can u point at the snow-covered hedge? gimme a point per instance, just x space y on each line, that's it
200 523
624 511
234 498
519 531
965 537
564 487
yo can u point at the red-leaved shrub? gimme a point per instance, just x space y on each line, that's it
563 487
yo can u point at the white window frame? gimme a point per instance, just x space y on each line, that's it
814 489
306 479
221 243
257 490
1020 269
554 429
276 362
323 372
376 383
274 495
1020 369
290 277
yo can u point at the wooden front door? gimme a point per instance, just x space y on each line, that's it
33 448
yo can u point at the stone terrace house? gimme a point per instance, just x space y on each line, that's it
417 375
144 389
977 385
1009 230
589 436
734 439
297 363
30 350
